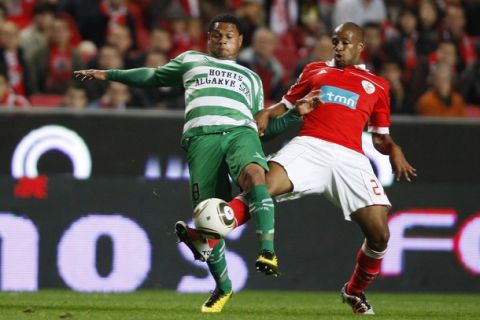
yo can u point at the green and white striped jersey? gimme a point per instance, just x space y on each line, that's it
219 94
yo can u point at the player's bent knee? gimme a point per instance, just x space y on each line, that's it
379 240
277 180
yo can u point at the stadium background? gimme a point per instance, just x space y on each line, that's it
108 226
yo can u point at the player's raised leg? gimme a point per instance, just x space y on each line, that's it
209 179
373 222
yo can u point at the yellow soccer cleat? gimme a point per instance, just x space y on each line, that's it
217 301
267 262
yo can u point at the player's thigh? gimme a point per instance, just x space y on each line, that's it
208 171
243 148
355 185
277 180
306 164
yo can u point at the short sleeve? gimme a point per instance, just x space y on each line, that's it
380 118
299 89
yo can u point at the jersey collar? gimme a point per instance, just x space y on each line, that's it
331 63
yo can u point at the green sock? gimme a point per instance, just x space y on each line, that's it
218 267
263 213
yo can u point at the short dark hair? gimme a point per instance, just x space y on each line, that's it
226 18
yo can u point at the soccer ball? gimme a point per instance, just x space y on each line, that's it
214 218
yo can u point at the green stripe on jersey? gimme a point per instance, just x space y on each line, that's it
220 94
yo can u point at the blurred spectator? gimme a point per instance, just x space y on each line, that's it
446 52
116 97
120 36
34 38
108 57
160 40
197 35
402 48
87 51
470 84
322 51
158 97
310 28
251 14
8 97
392 72
12 60
453 29
428 19
178 27
3 13
95 17
75 97
359 12
373 55
19 11
61 59
259 58
441 99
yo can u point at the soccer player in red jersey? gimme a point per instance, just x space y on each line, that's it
327 157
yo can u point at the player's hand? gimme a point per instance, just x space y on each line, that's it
90 74
400 165
261 118
309 102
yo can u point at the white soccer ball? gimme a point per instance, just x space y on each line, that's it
214 218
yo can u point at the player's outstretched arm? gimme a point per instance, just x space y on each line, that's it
91 74
138 77
385 145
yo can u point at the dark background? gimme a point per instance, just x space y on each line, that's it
315 245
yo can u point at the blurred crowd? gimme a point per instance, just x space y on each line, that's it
427 49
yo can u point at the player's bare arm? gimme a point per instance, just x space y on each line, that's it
309 102
91 74
385 145
263 117
303 106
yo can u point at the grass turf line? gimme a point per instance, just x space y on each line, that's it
159 304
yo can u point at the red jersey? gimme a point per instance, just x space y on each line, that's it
350 97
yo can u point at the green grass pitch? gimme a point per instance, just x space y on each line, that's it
159 304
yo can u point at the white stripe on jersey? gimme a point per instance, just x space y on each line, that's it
220 102
216 120
369 79
379 130
187 76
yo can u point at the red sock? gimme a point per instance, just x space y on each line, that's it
364 273
240 209
212 242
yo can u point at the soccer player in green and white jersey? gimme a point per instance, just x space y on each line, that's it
220 137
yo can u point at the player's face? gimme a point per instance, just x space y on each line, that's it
224 41
347 47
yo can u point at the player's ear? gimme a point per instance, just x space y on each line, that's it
361 46
240 40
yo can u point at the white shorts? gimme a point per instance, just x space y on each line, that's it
346 177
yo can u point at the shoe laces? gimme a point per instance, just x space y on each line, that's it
215 296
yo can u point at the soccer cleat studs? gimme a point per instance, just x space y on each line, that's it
267 262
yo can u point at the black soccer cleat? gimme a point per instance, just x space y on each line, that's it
217 301
267 262
358 302
200 248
